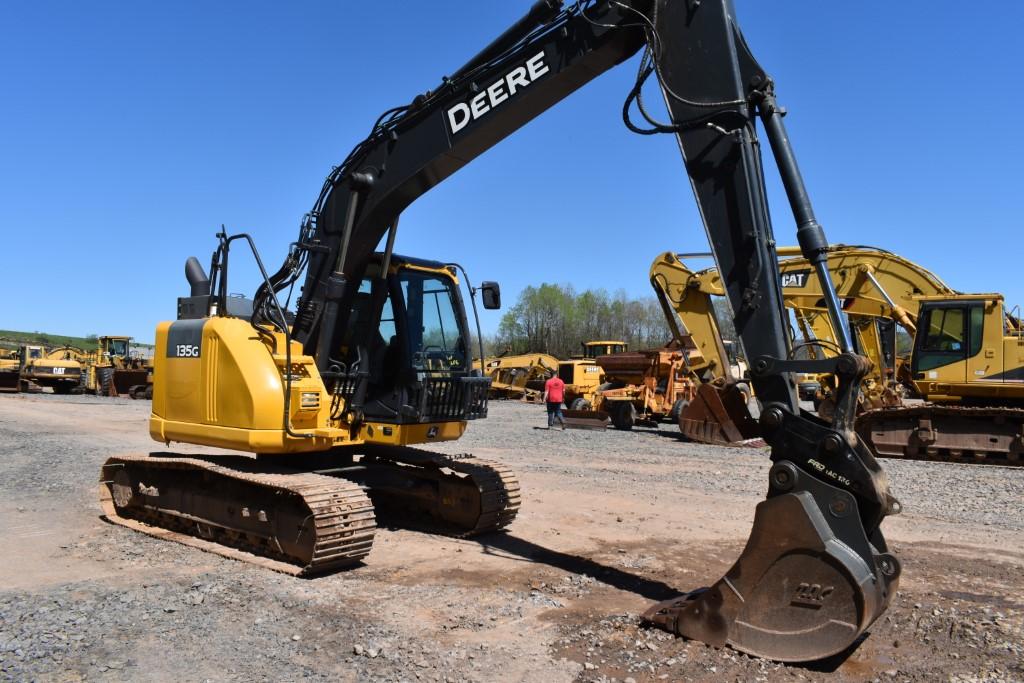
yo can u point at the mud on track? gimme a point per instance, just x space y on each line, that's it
610 522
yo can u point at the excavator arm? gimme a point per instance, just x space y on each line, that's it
869 282
816 571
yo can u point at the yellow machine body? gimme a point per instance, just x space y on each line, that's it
519 376
217 382
970 350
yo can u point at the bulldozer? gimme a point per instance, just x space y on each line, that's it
329 397
519 376
582 374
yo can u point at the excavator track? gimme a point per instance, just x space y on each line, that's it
461 495
990 436
296 523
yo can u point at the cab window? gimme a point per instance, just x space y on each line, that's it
435 336
945 332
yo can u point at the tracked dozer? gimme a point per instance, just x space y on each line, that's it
375 358
519 376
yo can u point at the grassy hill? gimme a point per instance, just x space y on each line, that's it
12 338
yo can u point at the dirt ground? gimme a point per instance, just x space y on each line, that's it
610 522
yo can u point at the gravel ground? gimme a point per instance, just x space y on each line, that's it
611 521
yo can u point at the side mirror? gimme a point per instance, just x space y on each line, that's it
491 294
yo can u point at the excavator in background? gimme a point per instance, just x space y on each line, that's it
375 358
874 286
967 360
722 409
975 408
57 369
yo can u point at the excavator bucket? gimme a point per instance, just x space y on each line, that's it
808 583
585 419
719 415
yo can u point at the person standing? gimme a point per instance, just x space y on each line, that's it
554 393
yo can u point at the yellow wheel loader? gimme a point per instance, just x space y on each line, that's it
328 397
114 369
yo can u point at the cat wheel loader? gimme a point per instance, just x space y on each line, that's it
373 359
114 370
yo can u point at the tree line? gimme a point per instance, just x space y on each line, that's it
556 319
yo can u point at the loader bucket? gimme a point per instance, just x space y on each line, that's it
807 585
719 416
9 381
124 380
585 419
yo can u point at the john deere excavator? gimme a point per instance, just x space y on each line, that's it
375 357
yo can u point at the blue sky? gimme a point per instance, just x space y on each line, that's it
130 131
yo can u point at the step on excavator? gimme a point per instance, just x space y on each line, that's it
373 359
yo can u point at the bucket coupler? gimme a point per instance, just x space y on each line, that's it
816 571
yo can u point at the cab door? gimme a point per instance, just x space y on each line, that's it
985 332
942 346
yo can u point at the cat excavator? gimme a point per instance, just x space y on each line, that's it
373 359
967 360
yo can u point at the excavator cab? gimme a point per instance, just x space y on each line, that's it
404 357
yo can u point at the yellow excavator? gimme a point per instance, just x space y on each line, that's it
329 397
36 367
722 409
967 360
9 370
973 411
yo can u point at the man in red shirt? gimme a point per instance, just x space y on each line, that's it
554 393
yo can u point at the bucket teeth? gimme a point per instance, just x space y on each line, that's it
806 586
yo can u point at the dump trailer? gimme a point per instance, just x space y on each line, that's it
374 358
645 387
